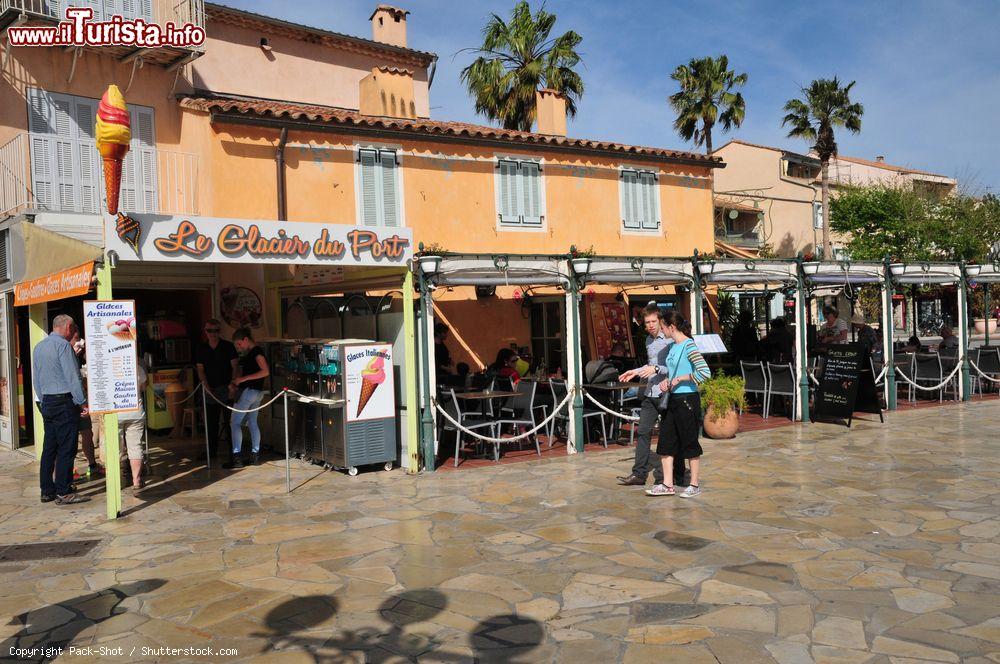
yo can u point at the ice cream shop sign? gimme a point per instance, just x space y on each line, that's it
151 237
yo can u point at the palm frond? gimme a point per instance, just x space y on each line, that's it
706 97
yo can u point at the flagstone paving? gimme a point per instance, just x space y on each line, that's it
809 544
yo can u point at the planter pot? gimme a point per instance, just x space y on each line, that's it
981 325
721 427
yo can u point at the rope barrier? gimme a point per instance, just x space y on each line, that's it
495 441
190 396
239 410
607 410
980 372
879 378
939 386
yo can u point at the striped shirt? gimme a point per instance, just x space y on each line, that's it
684 359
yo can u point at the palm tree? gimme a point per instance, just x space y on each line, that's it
706 98
825 105
518 58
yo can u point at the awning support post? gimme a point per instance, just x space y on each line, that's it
426 417
697 318
888 354
965 385
112 465
38 325
801 352
573 356
411 463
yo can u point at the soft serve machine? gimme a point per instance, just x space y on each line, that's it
321 429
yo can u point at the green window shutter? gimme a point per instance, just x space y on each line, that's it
369 188
390 196
651 213
630 218
509 195
531 193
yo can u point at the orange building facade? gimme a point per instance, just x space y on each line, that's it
276 121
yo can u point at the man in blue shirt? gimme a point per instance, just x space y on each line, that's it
654 372
59 393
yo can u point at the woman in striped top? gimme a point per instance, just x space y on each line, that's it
681 421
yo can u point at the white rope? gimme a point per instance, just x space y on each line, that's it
190 396
980 372
881 376
607 410
935 387
487 439
813 378
238 410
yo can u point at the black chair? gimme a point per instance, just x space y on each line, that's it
949 360
755 382
781 382
470 421
520 411
988 362
927 369
903 363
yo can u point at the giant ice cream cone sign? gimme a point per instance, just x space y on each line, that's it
114 135
371 377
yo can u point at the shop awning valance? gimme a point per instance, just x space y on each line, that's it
844 273
917 274
736 272
648 271
500 270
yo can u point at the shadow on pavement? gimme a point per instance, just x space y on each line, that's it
298 623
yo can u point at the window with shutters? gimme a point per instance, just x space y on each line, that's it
640 200
817 215
379 198
4 259
67 172
520 193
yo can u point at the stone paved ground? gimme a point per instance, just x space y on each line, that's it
878 544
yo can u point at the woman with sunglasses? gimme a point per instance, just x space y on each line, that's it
681 421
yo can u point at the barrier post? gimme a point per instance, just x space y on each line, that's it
288 466
204 421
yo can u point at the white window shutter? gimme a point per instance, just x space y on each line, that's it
817 214
128 199
144 143
629 218
530 181
508 196
370 205
651 218
390 194
90 167
65 153
42 144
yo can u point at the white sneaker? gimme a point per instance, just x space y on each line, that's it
691 492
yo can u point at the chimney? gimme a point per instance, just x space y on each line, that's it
387 91
880 159
550 112
389 25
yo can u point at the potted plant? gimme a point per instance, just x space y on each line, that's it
981 317
580 259
429 257
721 397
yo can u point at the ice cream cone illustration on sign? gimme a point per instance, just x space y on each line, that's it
129 231
123 329
371 377
114 135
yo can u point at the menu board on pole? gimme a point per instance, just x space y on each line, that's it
368 381
112 381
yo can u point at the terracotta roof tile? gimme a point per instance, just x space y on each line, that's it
218 103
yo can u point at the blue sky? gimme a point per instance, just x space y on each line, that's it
928 73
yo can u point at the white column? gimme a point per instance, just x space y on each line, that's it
887 326
431 368
572 349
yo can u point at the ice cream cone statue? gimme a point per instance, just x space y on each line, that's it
371 377
114 134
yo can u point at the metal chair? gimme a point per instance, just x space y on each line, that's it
949 360
559 392
468 420
755 382
781 382
520 411
927 369
903 362
988 361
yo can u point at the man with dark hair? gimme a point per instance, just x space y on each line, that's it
442 356
59 394
216 363
249 382
655 371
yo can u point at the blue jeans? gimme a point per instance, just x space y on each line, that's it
62 425
248 399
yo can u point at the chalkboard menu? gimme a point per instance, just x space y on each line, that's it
847 385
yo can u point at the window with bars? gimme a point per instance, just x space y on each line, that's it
67 173
520 197
378 188
640 200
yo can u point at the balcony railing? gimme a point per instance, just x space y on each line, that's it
747 239
172 186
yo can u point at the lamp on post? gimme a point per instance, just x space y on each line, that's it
429 265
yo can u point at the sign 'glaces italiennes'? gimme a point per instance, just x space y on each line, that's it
203 239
